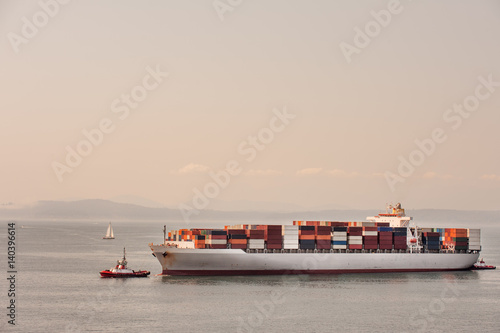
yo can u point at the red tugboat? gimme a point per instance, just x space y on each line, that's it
121 270
482 265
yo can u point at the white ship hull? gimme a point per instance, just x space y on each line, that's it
180 261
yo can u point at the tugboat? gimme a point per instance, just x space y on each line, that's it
482 265
121 270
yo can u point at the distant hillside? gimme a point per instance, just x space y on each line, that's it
109 210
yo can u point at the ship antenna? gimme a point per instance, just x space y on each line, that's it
123 253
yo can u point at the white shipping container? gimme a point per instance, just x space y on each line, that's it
291 227
339 247
340 233
216 242
256 241
370 233
290 246
355 241
339 238
256 247
356 237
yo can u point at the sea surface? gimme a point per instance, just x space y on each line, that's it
58 289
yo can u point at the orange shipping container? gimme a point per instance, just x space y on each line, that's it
323 237
307 237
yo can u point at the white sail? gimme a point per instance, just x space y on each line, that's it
109 232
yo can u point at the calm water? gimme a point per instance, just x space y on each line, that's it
59 290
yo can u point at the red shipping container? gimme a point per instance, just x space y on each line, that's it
273 227
323 230
274 246
355 246
273 236
218 246
217 236
339 224
371 246
370 228
236 231
255 234
324 245
238 246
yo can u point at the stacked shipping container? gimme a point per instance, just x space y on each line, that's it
306 237
256 239
339 239
274 237
400 235
325 235
216 239
385 239
237 238
474 239
370 238
290 237
355 238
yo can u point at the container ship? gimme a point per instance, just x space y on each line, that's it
386 243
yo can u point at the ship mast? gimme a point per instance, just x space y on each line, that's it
164 235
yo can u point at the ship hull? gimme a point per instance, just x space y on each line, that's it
178 261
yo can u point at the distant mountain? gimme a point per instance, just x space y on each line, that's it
109 210
137 200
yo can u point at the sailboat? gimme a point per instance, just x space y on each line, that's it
109 232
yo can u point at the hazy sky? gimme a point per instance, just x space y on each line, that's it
362 80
